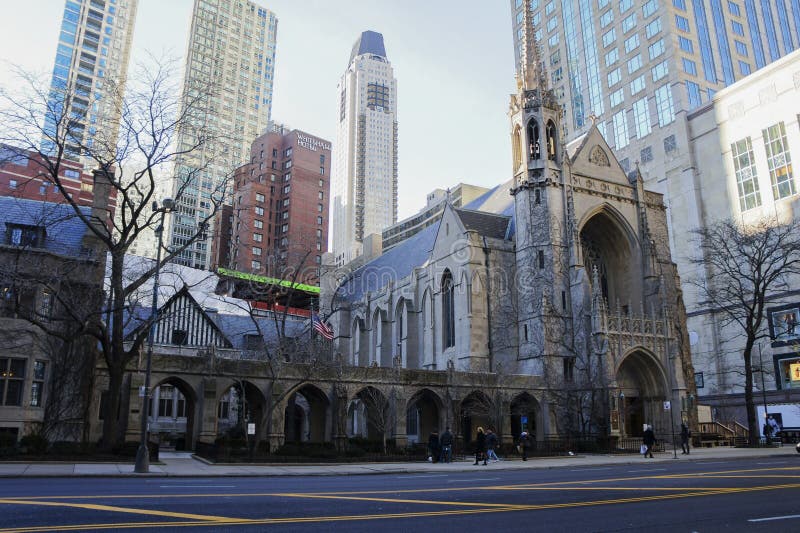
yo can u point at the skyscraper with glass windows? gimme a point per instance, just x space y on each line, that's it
90 72
364 182
230 58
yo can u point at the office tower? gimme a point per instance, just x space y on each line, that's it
365 170
280 206
90 73
232 49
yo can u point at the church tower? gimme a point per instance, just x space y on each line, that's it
542 240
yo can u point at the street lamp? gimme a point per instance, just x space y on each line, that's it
622 413
763 390
142 465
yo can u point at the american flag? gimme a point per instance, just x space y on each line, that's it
322 328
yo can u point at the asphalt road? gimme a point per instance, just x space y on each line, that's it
706 496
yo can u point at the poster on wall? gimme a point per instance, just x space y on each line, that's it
785 324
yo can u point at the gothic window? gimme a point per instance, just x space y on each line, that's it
448 311
534 146
551 140
517 147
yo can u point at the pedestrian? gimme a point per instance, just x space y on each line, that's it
446 442
480 447
685 434
649 440
433 446
524 444
491 444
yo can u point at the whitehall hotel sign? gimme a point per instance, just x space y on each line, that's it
311 143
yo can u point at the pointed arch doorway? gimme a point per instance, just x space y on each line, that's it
642 385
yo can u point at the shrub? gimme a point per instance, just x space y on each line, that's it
34 444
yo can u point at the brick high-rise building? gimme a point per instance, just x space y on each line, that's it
280 206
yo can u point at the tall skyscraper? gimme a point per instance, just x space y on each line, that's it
232 47
90 72
365 165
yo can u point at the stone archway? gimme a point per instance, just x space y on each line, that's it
423 416
475 410
240 404
610 246
306 416
172 415
525 413
370 414
642 385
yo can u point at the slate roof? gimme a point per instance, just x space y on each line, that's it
397 263
64 230
498 201
370 42
236 327
486 224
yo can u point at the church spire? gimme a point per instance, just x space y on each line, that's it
533 73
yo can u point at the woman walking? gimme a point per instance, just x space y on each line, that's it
480 447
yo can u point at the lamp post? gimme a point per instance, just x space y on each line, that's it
142 465
622 413
763 389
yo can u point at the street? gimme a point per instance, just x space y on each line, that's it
716 495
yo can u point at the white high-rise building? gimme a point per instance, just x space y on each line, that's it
232 46
364 184
89 75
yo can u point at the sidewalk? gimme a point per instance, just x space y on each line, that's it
176 464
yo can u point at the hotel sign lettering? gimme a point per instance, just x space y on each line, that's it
312 144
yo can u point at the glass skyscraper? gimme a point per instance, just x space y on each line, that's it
90 72
635 65
231 54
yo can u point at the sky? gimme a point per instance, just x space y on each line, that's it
453 60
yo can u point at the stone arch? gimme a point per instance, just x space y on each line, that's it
240 403
609 244
424 415
407 333
369 414
359 342
427 344
516 145
381 339
474 411
534 140
173 415
307 415
642 388
552 141
526 415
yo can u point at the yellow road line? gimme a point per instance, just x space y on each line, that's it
115 509
461 511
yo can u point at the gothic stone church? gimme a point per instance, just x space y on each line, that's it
549 304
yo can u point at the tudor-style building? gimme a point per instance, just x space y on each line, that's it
560 278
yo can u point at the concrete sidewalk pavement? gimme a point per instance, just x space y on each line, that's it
178 464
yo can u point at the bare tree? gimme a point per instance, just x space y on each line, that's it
380 411
130 156
745 266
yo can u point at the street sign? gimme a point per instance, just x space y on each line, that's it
251 429
523 419
667 406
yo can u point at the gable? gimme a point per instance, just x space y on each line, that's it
592 157
450 230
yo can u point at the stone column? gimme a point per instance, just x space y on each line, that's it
133 429
400 407
208 423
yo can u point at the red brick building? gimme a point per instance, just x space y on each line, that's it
23 176
280 207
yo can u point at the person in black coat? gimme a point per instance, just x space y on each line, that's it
524 444
480 447
433 446
649 440
684 439
446 443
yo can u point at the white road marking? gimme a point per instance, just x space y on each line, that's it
647 470
473 479
197 486
417 477
771 518
712 463
774 463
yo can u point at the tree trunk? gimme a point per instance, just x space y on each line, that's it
111 433
752 419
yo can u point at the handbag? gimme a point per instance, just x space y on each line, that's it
643 449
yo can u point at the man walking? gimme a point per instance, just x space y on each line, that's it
649 440
524 444
491 444
447 445
685 434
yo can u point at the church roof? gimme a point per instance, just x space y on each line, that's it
498 201
370 42
64 231
395 264
486 224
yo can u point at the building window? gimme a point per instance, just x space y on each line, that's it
12 380
322 170
319 220
779 161
646 155
179 337
641 117
448 311
259 211
259 197
664 106
258 224
256 250
287 152
693 90
286 189
12 184
46 305
540 257
285 228
569 369
621 136
255 265
37 387
319 208
746 176
257 237
670 144
22 235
